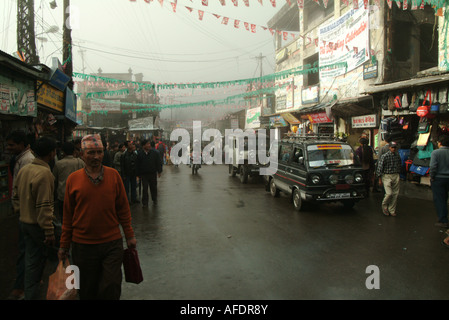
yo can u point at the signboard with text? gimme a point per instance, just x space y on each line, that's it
367 121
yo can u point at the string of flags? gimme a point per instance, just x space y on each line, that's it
251 27
414 4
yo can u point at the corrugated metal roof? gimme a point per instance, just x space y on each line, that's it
410 83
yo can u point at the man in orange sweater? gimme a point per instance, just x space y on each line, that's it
95 206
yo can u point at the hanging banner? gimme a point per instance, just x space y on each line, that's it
345 39
105 105
253 118
141 124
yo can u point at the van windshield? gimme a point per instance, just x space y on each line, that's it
330 154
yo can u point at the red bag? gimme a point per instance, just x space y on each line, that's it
131 265
424 109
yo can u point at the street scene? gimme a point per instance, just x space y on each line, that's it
214 151
212 238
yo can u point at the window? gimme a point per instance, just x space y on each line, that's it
311 78
298 156
330 155
285 151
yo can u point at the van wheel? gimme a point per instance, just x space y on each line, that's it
273 190
297 201
231 170
243 174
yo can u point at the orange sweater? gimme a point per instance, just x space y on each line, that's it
93 213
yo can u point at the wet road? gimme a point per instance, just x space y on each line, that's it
213 238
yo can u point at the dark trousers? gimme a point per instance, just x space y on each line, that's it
100 268
20 262
440 189
149 180
36 255
130 182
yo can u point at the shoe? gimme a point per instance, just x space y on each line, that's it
444 243
16 294
442 224
385 212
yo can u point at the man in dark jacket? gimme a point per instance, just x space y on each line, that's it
128 171
149 168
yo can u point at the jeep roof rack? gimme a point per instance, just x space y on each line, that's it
293 137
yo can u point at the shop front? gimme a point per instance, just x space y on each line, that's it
415 114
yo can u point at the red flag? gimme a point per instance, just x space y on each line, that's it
289 3
246 2
260 1
204 2
216 15
390 3
325 3
365 3
422 5
355 4
173 5
190 9
200 14
225 20
235 2
273 3
222 2
246 25
398 3
253 28
300 4
236 24
405 5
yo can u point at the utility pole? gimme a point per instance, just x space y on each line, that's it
67 55
26 42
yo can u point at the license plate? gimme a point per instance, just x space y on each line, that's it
339 195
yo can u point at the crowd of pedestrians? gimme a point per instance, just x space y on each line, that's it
55 196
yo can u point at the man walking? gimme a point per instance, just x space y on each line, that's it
128 171
95 205
18 144
62 169
33 200
388 171
439 178
149 168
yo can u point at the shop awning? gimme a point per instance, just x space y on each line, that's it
359 106
408 84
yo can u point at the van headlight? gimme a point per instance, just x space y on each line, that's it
333 179
358 177
315 179
349 179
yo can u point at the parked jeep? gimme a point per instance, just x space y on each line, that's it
319 171
245 162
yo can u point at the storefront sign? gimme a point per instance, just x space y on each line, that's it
59 79
290 118
105 105
17 99
141 124
370 70
368 121
252 118
320 117
50 97
277 121
310 95
70 105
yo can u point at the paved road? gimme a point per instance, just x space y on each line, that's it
213 238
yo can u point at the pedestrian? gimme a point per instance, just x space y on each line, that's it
388 171
160 146
62 169
18 144
128 171
439 179
107 159
33 199
95 206
366 156
149 169
117 156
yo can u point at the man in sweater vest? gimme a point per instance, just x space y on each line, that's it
95 206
